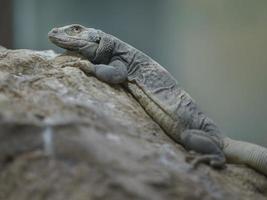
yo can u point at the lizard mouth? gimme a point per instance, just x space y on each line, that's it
68 42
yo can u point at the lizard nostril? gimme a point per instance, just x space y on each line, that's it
55 30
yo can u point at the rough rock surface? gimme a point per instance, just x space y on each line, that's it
65 135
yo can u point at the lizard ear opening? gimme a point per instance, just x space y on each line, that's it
98 39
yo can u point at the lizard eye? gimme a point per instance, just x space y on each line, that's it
76 29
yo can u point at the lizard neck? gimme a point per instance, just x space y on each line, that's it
105 50
128 54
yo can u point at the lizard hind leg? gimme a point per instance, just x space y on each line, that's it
201 142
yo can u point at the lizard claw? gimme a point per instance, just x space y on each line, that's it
70 64
216 161
83 65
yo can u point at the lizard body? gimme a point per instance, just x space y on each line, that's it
117 62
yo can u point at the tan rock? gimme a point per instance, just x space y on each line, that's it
66 135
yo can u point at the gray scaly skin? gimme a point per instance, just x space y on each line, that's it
116 62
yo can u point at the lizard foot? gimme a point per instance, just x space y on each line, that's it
207 149
215 161
83 65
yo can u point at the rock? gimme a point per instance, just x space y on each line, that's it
2 48
66 135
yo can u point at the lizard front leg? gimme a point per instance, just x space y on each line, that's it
200 142
114 73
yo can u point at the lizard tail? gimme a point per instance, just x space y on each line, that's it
246 153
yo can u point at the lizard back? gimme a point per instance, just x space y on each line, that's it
157 91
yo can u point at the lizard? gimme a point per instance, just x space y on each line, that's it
169 105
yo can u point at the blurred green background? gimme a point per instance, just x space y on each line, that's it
215 48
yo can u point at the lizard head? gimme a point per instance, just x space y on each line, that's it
94 44
76 37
